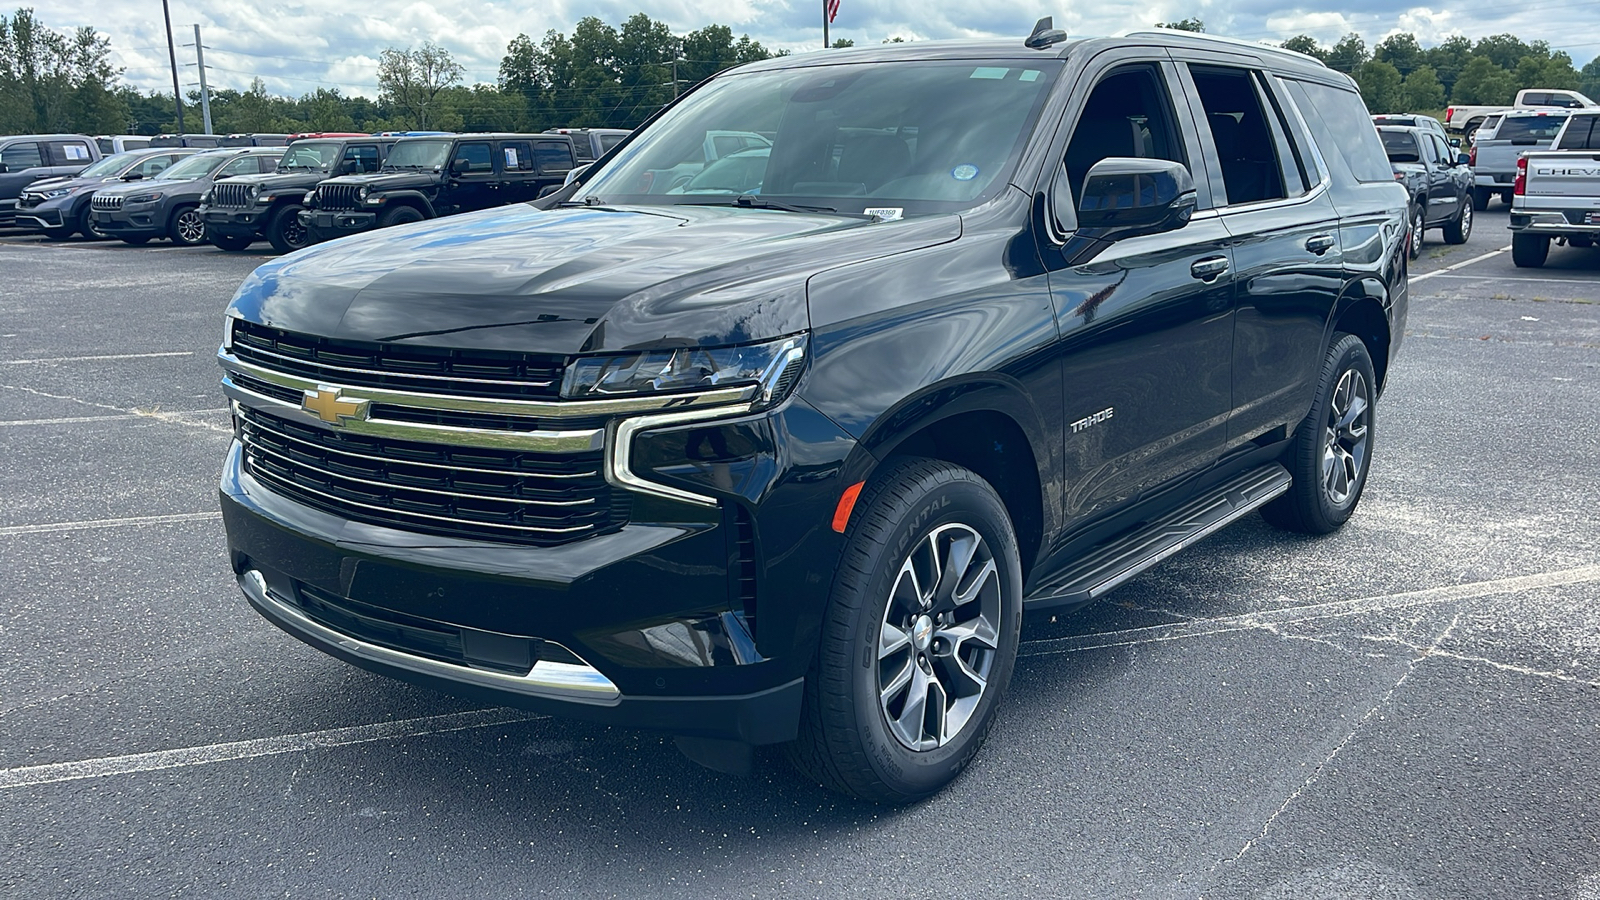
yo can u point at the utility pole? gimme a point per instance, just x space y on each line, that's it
205 92
172 56
674 79
824 23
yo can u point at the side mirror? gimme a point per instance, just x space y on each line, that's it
1463 159
133 176
459 165
347 167
1125 197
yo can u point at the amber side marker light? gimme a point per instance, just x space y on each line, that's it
847 503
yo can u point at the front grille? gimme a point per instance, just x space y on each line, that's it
338 196
106 201
514 496
464 373
224 193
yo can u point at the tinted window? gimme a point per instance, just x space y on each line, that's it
135 145
21 156
1343 130
155 165
1583 133
1442 151
607 141
1251 170
1529 128
364 155
1400 147
516 156
1127 115
477 156
244 165
70 153
105 145
553 156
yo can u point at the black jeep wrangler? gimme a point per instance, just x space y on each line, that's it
240 210
427 177
781 452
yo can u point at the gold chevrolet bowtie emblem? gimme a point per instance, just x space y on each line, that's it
326 404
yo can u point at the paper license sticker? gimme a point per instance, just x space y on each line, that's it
885 213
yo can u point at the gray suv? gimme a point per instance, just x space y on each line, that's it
58 208
167 205
27 158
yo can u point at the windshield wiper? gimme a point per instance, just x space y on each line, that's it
751 201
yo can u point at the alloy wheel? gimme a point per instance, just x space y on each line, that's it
1417 229
191 228
1466 219
938 640
294 234
1344 450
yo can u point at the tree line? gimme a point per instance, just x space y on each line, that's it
614 76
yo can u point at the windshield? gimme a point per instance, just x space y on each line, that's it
198 166
1400 146
1529 128
418 154
309 155
109 165
917 136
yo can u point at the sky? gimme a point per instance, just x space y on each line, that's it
297 47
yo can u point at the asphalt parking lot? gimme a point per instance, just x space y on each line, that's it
1409 708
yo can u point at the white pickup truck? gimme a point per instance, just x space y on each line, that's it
1467 119
1556 194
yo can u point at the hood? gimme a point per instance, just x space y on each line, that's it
567 281
194 186
390 181
55 184
268 182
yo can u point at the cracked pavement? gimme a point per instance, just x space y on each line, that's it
1409 708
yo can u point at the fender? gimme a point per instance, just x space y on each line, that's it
412 195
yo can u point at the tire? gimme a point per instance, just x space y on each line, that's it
138 240
1331 452
285 231
1480 198
186 228
399 215
860 738
1418 229
87 228
229 242
57 234
1529 251
1459 229
1580 241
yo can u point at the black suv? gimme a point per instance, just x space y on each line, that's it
1438 179
785 460
427 177
239 210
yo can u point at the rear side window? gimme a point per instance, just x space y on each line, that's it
21 156
1246 150
1529 128
1583 133
553 156
607 141
516 156
70 153
105 145
1343 129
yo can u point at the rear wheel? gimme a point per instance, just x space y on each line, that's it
1529 251
1418 228
285 231
1332 449
1480 198
919 637
1457 230
187 229
399 215
230 242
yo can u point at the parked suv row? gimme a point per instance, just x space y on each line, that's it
60 208
168 204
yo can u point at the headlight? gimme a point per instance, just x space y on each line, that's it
59 192
362 193
774 366
150 197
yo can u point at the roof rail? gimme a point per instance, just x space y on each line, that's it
1236 42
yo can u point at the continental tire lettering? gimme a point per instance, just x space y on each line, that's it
1094 419
914 527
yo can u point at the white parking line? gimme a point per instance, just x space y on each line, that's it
1460 265
27 776
108 523
68 421
57 359
1584 281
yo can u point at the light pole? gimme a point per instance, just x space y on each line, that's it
172 56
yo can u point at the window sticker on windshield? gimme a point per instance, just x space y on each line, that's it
1029 75
885 213
964 172
511 157
989 72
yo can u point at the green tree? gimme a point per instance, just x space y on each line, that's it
1380 86
841 43
1348 55
412 80
1589 78
1554 71
1402 51
1506 50
1305 43
50 81
1191 24
1422 91
1448 58
1483 82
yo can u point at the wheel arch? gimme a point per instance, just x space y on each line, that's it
1362 312
414 199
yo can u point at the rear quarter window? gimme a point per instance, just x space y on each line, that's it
1583 133
1529 128
1343 130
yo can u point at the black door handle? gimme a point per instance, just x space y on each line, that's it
1209 269
1320 243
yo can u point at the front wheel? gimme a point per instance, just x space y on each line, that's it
1529 251
399 215
88 228
229 242
1418 227
285 231
1332 449
1457 230
187 229
919 637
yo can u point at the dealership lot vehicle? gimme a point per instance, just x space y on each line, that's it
168 205
121 143
589 144
428 177
614 459
238 211
1436 177
1470 119
1494 153
1557 193
59 208
27 158
1409 120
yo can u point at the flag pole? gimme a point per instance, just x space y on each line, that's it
824 24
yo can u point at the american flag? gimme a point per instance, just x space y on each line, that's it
832 7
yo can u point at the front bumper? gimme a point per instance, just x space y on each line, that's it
325 225
233 221
144 220
39 218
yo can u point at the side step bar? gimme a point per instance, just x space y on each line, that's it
1120 558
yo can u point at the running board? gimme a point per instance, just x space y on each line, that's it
1108 565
